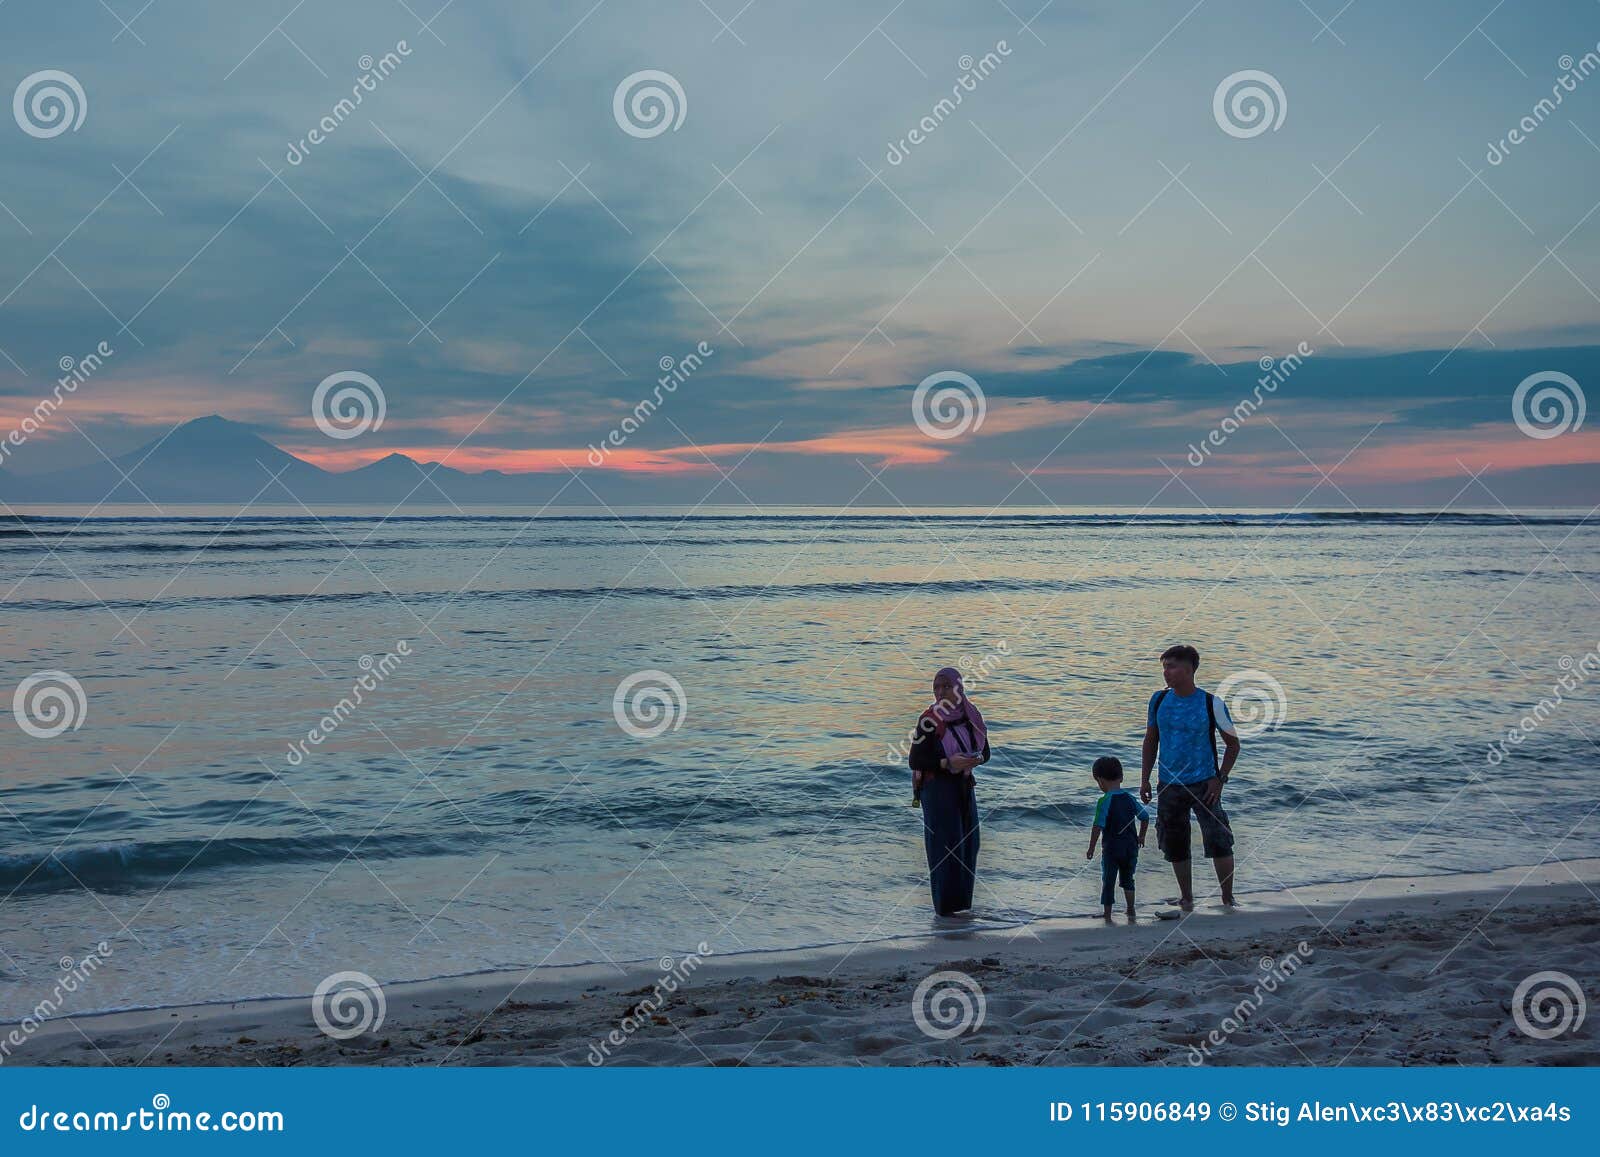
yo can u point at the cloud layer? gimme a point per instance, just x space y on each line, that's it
1078 234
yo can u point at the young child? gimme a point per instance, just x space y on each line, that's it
1113 816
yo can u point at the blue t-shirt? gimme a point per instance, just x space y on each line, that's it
1117 815
1187 753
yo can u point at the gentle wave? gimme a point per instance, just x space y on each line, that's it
685 594
468 826
123 866
105 543
1245 518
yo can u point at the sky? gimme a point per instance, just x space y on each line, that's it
1102 252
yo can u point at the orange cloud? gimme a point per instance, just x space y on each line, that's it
669 460
903 445
539 461
908 446
888 447
1481 447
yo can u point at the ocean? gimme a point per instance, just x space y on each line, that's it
308 744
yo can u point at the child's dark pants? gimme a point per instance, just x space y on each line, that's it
1115 867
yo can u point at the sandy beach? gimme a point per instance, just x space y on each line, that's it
1395 971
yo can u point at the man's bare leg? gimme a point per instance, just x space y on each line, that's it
1224 866
1180 869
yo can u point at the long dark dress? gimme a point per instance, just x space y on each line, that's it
949 824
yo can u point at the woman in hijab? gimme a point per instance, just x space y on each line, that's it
950 741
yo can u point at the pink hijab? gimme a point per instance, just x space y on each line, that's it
942 714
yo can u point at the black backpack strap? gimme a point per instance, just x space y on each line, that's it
1211 712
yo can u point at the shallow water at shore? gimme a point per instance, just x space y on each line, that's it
483 809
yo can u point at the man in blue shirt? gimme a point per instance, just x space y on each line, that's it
1181 727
